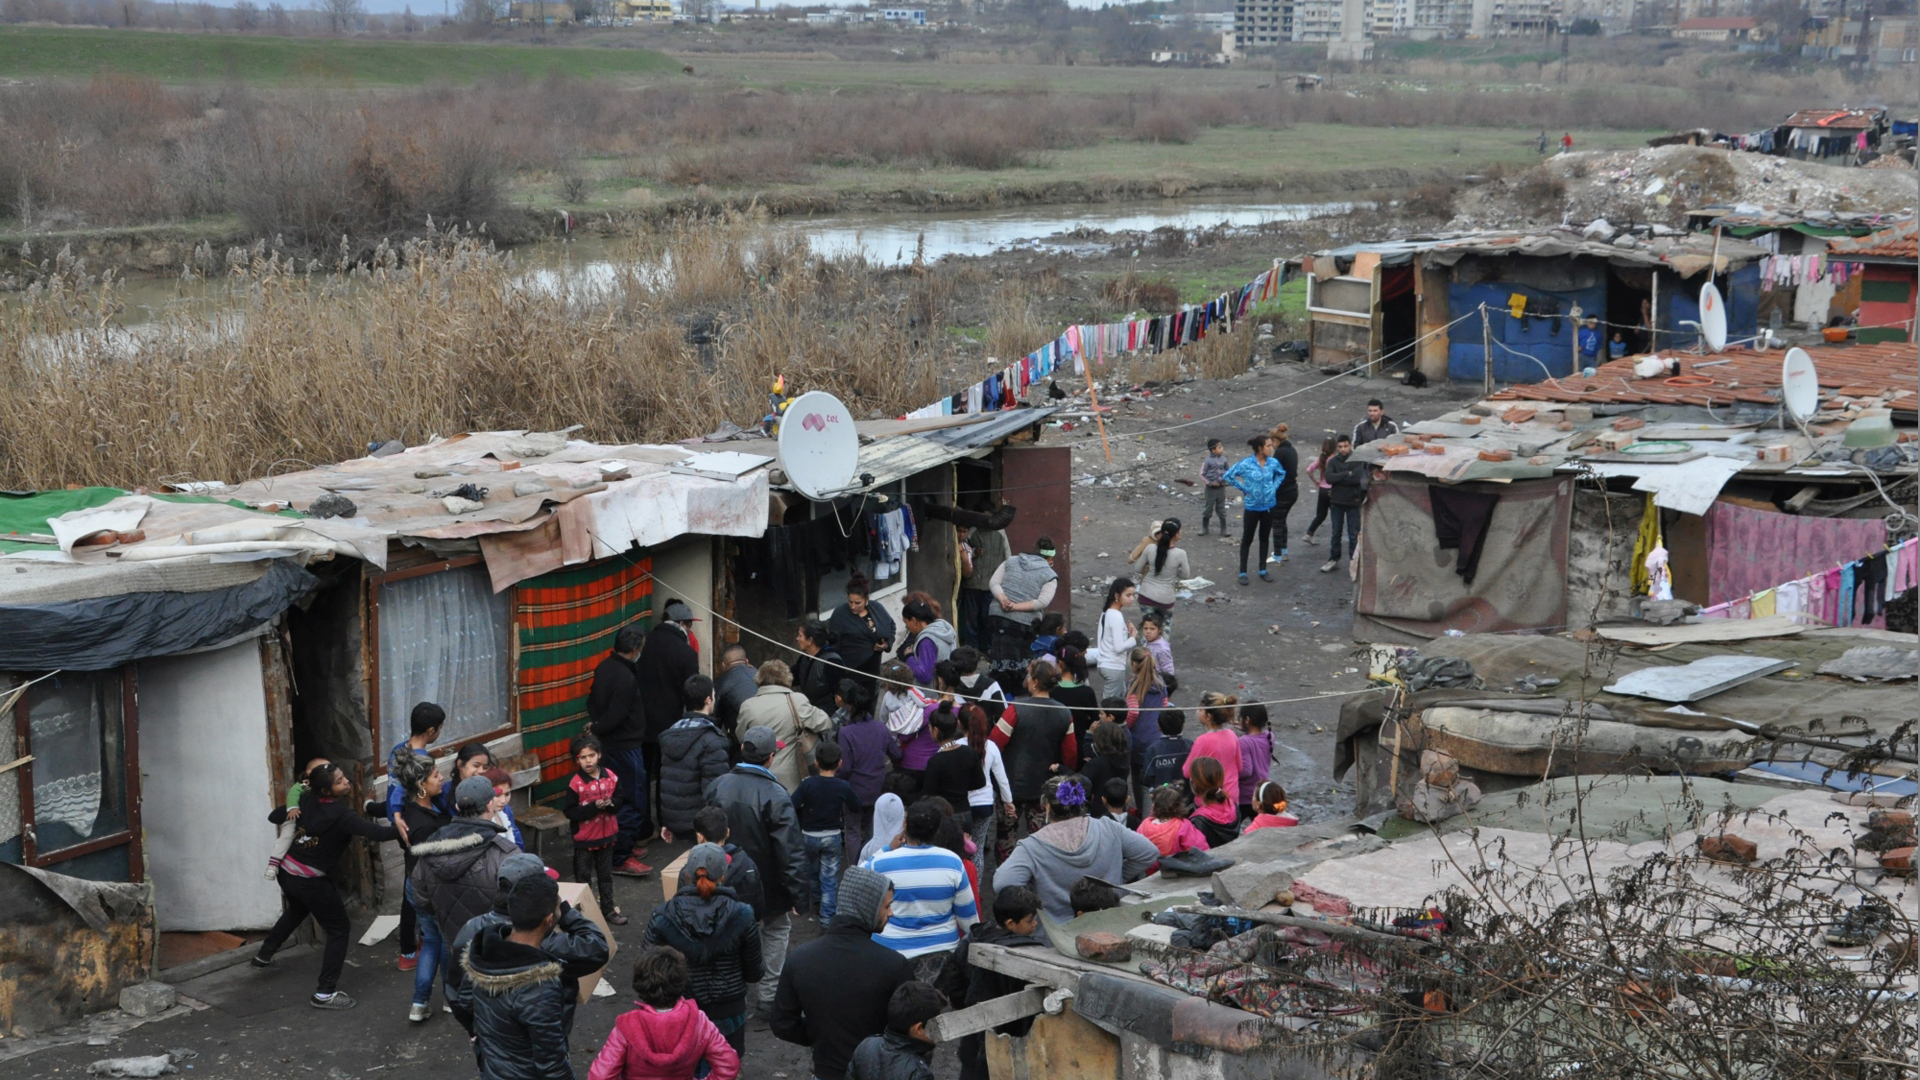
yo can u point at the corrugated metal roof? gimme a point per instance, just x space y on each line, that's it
1844 119
1890 368
901 456
1686 253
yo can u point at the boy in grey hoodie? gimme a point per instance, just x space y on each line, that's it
1072 846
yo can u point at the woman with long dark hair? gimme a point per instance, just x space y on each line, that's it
1160 566
1288 456
328 824
1114 637
1073 691
1322 490
1258 476
862 632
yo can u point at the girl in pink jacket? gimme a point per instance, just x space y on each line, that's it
665 1036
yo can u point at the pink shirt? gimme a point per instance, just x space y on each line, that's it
1172 836
1223 746
1270 821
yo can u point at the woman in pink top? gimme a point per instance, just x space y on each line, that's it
1220 743
1169 827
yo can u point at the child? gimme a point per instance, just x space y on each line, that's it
1108 762
908 710
822 803
904 1051
1617 348
717 933
742 876
500 811
1212 805
665 1036
283 841
1116 796
1046 636
865 748
590 798
1169 828
1090 894
1213 480
1256 754
1153 634
1016 922
1270 804
1168 755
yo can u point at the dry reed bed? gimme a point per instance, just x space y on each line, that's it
292 362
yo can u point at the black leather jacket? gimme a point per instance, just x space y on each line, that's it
518 1001
892 1056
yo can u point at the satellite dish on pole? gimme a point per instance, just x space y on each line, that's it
1799 385
1713 318
819 450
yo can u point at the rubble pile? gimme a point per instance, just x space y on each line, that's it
1660 184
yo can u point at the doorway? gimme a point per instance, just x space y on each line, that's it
1629 310
1399 317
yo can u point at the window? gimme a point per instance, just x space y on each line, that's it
887 578
445 637
67 792
1352 296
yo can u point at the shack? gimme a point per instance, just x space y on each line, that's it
1505 306
1800 278
1525 512
1887 280
242 630
1832 136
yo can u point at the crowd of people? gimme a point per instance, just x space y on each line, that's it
922 787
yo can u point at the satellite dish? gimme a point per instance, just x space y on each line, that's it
819 450
1799 384
1713 318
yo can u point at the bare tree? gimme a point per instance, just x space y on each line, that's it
245 15
480 12
277 14
341 15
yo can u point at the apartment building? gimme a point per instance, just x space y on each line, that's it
1262 24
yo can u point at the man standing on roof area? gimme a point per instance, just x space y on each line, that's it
1022 588
665 665
618 719
1377 425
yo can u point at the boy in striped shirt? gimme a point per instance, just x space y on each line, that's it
933 903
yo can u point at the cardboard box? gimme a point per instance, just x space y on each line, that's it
670 877
580 895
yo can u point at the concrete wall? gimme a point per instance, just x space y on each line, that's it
684 570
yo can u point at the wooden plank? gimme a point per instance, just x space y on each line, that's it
1799 500
988 1014
1048 969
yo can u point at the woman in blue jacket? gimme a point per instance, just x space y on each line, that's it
1258 476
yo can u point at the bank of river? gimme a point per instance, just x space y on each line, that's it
886 239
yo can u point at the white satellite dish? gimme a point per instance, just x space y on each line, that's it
1713 318
1799 385
819 450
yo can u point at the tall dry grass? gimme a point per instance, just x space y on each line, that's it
438 335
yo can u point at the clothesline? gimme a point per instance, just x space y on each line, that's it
1832 595
1100 342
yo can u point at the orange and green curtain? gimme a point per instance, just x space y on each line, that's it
564 622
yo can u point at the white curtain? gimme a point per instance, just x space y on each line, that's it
444 639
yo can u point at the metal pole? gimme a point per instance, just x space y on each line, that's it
1486 345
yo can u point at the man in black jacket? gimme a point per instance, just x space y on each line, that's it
761 819
1348 489
665 665
1377 425
735 684
521 999
616 716
456 872
561 945
835 989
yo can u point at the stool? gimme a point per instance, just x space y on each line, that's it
546 833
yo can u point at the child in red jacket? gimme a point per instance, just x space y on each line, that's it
665 1036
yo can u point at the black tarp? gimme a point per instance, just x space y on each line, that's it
92 635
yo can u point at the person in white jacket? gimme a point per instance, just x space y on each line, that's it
1115 637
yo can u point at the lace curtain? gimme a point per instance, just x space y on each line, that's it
444 639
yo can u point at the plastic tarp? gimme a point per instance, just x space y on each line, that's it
105 632
1407 585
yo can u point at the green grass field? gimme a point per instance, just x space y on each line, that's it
37 52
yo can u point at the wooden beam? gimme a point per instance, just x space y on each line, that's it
1032 965
987 1015
1799 500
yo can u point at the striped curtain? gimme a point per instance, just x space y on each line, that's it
564 623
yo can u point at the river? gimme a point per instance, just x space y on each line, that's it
886 239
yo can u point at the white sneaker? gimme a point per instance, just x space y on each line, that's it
419 1013
1276 558
1328 566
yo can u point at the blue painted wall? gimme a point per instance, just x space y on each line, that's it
1531 344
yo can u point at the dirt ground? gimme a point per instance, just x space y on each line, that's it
1282 641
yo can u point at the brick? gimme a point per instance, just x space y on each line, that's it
1728 848
147 999
1564 425
1539 459
1889 820
1469 419
1580 414
1434 448
1519 416
1614 440
1104 947
1628 423
1395 449
1898 861
1496 455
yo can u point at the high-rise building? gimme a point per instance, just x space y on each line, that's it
1262 24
